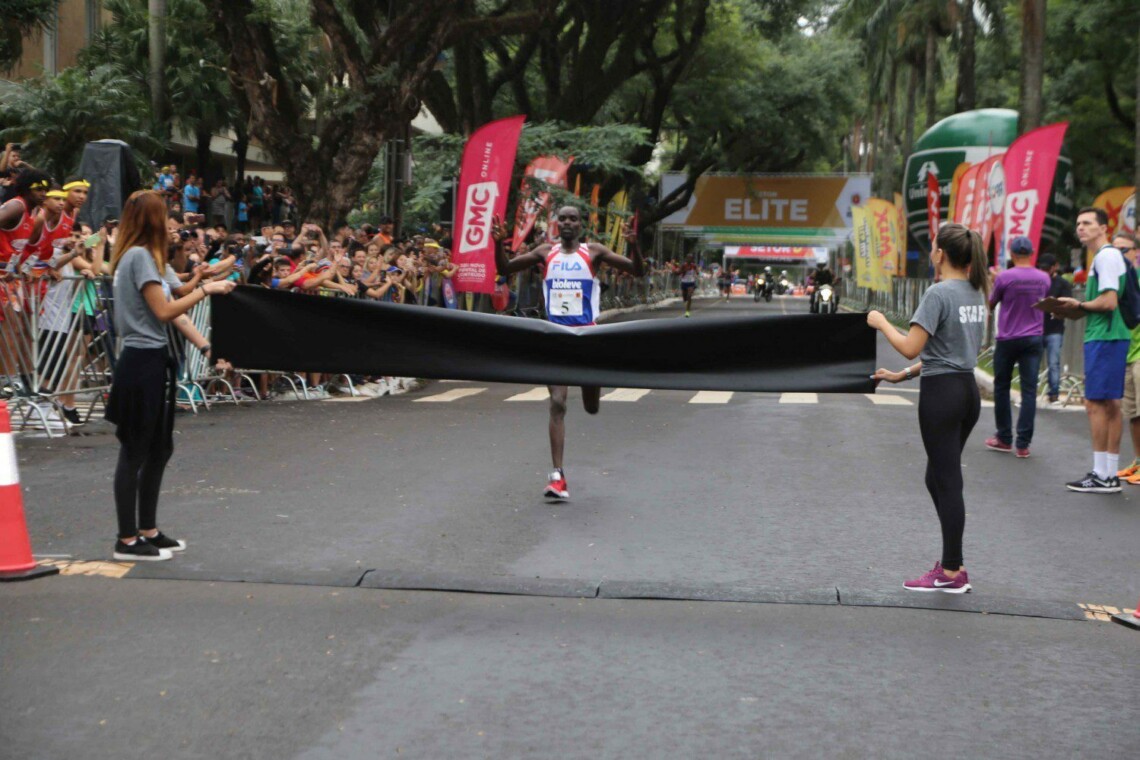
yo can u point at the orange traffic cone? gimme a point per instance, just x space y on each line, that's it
16 562
1129 618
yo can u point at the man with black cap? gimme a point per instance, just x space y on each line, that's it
1019 342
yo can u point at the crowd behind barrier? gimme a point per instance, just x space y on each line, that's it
57 339
901 301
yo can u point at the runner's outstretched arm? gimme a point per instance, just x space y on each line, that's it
505 265
634 265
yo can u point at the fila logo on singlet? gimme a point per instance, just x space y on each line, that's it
566 266
972 313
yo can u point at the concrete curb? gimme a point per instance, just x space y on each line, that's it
581 588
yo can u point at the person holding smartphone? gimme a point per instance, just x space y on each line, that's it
143 388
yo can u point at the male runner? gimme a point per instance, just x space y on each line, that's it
724 282
689 274
573 298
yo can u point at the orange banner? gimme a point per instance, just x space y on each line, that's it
796 202
1113 202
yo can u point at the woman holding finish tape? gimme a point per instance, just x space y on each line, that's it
946 332
143 387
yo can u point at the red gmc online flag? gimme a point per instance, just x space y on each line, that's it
484 181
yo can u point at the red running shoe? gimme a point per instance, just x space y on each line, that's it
556 487
993 443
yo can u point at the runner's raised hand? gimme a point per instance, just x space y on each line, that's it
499 229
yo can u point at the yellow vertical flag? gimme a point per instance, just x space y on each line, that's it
615 217
594 194
864 248
956 184
884 221
901 207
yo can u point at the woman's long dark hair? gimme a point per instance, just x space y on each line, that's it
964 248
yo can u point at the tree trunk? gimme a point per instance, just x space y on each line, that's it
156 10
886 172
876 122
967 95
1136 175
1031 98
931 65
911 105
202 139
241 150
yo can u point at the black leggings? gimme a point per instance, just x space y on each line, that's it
142 407
948 408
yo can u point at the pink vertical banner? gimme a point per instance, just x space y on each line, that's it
484 180
551 170
991 198
1030 164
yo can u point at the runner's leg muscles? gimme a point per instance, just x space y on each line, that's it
591 398
558 395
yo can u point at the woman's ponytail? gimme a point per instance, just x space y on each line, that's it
965 250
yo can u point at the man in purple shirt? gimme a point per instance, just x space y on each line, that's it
1019 342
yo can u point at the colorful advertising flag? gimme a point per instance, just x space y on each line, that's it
1029 166
1113 202
484 179
551 170
615 218
886 242
956 187
990 198
862 234
1127 221
962 211
933 203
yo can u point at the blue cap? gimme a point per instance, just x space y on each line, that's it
1021 244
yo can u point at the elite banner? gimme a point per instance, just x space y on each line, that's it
551 170
484 179
1029 165
272 330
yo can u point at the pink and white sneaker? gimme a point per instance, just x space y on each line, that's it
556 487
937 580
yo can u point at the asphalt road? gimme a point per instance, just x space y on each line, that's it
818 509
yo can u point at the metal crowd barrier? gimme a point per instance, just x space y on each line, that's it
56 344
901 301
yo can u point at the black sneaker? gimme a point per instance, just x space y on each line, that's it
163 541
1092 483
140 551
72 417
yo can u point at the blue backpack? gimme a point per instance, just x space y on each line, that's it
1129 301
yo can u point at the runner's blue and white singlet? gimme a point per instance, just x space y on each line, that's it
570 287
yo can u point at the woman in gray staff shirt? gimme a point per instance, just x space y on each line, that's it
142 401
946 333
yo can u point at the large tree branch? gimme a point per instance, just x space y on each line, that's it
327 17
1121 115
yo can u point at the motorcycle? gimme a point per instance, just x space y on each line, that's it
783 286
758 289
824 302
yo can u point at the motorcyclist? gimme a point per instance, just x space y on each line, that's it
822 276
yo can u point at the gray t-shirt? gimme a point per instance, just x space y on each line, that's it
955 316
136 324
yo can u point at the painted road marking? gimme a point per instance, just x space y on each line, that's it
1102 613
350 398
97 568
539 393
799 398
625 394
711 397
452 395
888 400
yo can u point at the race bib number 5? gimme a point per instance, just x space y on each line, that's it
566 303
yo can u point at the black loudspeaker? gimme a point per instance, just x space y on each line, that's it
109 165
